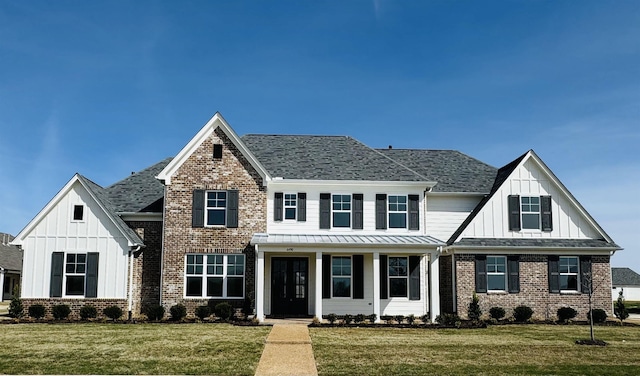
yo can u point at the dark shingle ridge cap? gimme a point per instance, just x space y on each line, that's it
140 192
394 161
624 277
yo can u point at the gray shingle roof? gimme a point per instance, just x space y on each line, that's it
624 277
139 192
453 170
325 158
536 243
10 255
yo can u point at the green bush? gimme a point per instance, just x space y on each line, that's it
224 311
202 312
425 318
348 319
16 310
497 313
599 316
410 319
88 312
399 318
332 317
178 312
619 309
37 311
474 311
113 312
448 319
154 312
566 313
387 318
372 318
359 318
522 313
60 311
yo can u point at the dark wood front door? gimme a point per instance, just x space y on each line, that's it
289 287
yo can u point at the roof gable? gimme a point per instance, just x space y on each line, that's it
139 192
624 277
216 122
10 255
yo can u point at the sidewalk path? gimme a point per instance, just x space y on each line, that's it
287 352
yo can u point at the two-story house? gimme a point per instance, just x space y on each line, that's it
310 225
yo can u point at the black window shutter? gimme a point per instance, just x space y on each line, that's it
481 273
381 211
197 213
277 206
585 274
545 206
383 277
414 212
358 276
554 275
513 270
92 275
326 276
514 213
57 266
302 207
357 211
414 277
325 210
232 208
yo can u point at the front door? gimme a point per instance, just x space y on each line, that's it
289 289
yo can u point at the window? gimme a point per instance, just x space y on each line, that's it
397 211
568 270
398 276
223 274
530 208
216 208
75 269
341 210
290 200
217 151
78 212
496 273
341 276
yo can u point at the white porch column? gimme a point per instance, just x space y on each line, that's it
318 305
434 285
259 285
376 285
2 285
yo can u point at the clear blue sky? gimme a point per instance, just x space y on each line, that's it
108 87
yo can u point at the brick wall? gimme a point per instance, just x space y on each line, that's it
534 289
75 305
146 265
200 171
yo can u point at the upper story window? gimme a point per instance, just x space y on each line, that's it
78 212
216 208
290 201
214 275
397 211
341 210
530 213
290 206
217 151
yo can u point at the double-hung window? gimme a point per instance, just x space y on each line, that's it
215 276
530 208
75 269
397 211
341 210
290 200
341 276
568 270
398 276
216 208
496 273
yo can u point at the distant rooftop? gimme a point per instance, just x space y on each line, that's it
624 277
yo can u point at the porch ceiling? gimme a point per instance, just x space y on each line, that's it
349 240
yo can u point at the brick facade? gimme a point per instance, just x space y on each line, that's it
201 171
146 265
534 289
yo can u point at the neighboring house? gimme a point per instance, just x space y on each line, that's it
10 266
627 281
311 225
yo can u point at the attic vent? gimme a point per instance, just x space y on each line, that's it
217 151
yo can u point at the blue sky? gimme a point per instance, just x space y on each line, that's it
106 88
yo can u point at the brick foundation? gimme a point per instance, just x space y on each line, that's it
75 305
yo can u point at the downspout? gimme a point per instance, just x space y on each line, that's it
130 303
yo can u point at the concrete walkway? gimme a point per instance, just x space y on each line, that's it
288 352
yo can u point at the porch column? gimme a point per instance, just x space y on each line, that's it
376 285
434 285
259 285
2 285
318 305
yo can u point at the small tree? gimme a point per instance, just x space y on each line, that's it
15 307
474 308
619 309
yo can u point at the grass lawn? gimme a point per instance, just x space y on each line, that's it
93 348
508 349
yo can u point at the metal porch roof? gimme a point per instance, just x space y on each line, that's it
348 240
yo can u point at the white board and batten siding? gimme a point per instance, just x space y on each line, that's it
58 232
446 213
530 179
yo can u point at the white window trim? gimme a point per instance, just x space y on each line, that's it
203 277
405 211
65 275
505 274
577 290
523 213
84 213
207 208
350 276
389 277
342 210
285 206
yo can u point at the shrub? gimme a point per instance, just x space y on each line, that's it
425 318
474 311
566 313
411 318
522 313
359 318
37 311
372 318
497 313
178 312
224 311
599 316
202 312
386 318
154 312
16 309
619 308
348 319
448 319
399 318
60 311
88 312
332 317
113 312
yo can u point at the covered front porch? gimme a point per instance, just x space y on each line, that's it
314 275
